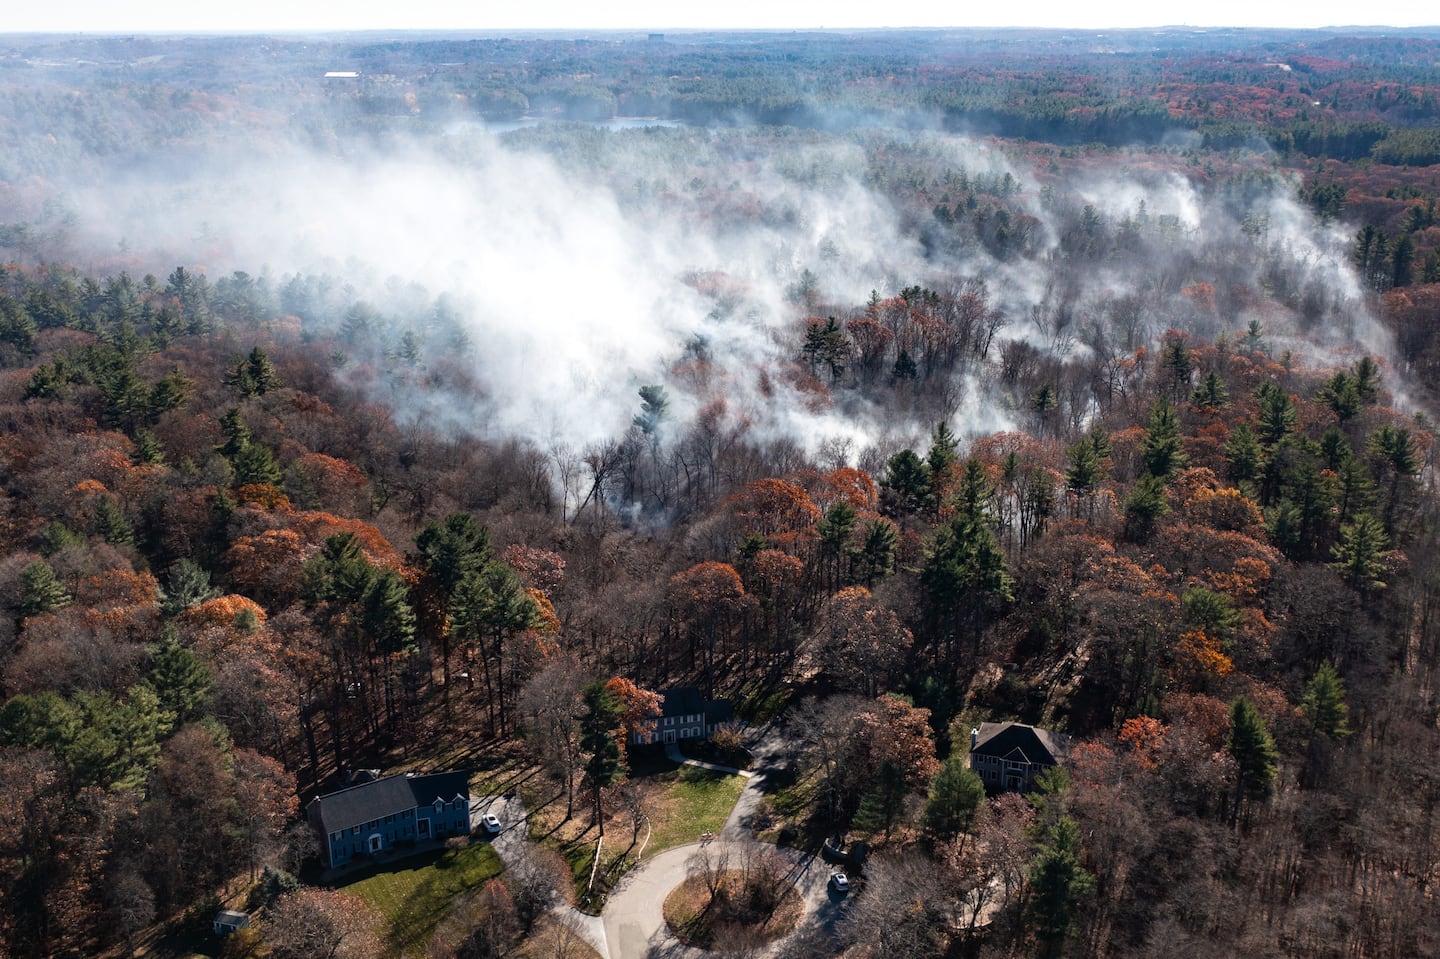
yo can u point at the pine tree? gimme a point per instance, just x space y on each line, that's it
186 585
110 524
1144 507
1324 703
1254 752
40 590
1243 454
905 487
1360 554
954 798
1163 451
600 724
1057 884
1277 415
180 680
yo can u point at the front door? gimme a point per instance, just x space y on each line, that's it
669 735
375 842
422 828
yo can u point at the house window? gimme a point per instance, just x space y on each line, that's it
354 830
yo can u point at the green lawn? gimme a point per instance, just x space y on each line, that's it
415 895
694 801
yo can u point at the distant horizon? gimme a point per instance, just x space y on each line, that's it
70 17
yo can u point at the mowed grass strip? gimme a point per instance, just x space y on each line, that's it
414 895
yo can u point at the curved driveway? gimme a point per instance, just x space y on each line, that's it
632 924
634 916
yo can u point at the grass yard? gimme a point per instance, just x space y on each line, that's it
679 802
414 896
691 801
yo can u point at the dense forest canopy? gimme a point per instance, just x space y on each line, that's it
890 383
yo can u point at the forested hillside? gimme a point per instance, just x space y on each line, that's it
881 433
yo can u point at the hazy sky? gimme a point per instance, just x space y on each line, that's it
311 15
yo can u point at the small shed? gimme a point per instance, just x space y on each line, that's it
228 920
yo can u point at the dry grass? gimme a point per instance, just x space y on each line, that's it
553 939
690 917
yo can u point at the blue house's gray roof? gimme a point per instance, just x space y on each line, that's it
360 804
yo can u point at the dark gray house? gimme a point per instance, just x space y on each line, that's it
1008 756
227 921
374 817
685 714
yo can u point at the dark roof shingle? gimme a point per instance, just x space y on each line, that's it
360 804
1022 743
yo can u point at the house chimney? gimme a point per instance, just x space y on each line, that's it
974 738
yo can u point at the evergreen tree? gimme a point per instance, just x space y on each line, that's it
57 536
1082 476
181 682
1341 395
1163 451
40 590
1243 454
905 486
389 619
1360 554
1324 703
148 449
169 393
600 724
255 464
1394 451
883 802
253 376
187 584
110 524
877 552
834 531
654 406
1144 507
1057 885
974 492
954 798
904 368
1211 393
941 460
1277 415
1254 752
237 434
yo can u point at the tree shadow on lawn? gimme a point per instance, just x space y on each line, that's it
441 876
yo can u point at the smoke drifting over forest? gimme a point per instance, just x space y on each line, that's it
583 263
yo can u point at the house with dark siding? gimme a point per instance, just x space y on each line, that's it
1009 756
375 817
685 714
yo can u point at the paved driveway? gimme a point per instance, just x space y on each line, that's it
633 923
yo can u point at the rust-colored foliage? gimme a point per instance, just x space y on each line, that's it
540 569
1143 736
707 589
771 506
639 708
263 496
269 565
223 611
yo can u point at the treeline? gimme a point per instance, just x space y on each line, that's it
223 570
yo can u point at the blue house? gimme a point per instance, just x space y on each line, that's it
374 817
